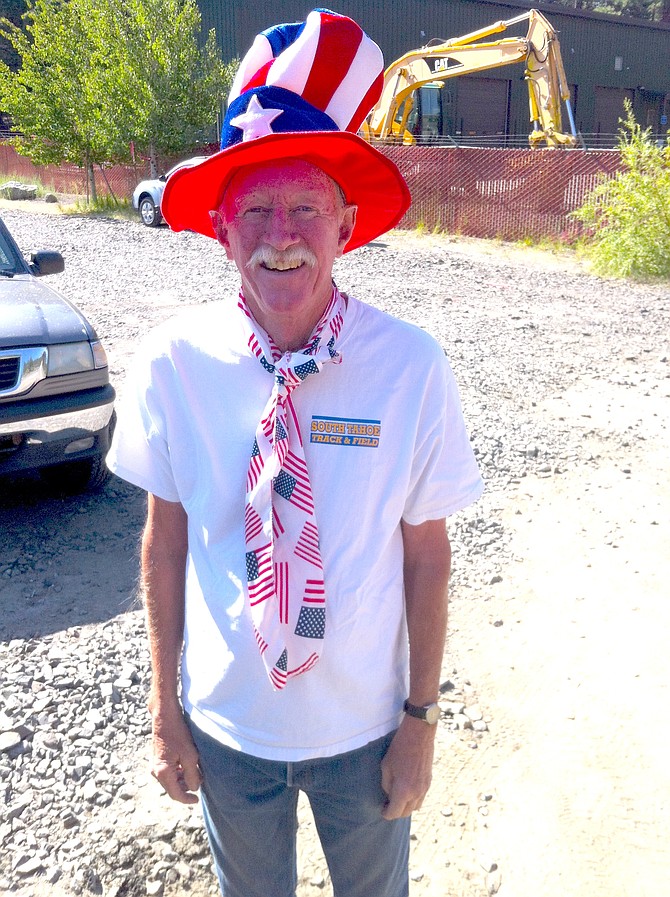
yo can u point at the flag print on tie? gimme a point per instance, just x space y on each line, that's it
255 467
292 483
285 586
307 546
253 525
277 526
282 589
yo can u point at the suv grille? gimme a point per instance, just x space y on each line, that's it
21 369
9 372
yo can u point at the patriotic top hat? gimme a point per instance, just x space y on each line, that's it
301 92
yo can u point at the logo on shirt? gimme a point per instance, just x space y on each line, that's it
345 431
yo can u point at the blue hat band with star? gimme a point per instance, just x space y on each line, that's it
271 110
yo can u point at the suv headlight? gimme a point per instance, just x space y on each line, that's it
73 358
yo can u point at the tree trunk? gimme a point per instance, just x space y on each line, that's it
90 177
153 164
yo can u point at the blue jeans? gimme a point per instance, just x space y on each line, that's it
250 811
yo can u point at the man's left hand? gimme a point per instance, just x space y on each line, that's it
407 768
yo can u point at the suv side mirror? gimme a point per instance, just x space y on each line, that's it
46 262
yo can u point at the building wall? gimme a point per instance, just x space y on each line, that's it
621 57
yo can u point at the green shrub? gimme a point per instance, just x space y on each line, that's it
628 216
104 206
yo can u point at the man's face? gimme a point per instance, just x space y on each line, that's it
284 224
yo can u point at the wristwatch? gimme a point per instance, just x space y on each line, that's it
429 714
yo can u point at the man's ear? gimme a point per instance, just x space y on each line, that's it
346 227
220 228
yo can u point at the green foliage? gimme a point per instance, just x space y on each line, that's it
99 75
13 10
628 216
171 89
652 10
104 206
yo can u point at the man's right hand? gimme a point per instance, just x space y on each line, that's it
175 759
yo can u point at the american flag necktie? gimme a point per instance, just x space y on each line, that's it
285 587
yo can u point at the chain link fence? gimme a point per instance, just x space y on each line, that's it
508 194
110 180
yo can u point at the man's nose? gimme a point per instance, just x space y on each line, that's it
280 230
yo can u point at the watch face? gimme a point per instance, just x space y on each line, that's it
432 713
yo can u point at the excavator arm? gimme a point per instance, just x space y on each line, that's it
437 62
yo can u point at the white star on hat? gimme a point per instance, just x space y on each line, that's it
256 121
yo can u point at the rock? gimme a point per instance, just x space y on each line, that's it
116 888
14 190
9 741
82 763
50 197
90 790
69 820
29 866
52 874
184 870
473 713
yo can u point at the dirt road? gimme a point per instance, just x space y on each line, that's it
575 677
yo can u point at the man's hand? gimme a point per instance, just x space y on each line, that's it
407 768
175 758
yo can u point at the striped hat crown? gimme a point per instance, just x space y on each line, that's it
323 74
301 92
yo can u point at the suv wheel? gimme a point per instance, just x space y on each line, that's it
149 212
76 476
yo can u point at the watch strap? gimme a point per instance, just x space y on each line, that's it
430 713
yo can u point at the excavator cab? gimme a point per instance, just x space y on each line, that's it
419 117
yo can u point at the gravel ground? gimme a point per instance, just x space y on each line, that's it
77 814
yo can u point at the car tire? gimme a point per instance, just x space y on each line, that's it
150 214
76 476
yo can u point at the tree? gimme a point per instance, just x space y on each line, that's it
629 215
13 10
171 87
97 76
651 10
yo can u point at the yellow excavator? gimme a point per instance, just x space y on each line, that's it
432 65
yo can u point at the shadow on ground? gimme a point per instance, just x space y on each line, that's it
66 560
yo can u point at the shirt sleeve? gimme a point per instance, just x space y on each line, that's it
445 476
140 450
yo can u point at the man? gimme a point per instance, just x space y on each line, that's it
301 452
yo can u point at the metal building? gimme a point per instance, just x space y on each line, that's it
607 58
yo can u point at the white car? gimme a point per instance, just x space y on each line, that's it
148 194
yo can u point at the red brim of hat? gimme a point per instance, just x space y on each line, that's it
368 179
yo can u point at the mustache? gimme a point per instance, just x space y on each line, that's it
286 258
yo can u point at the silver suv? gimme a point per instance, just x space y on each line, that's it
56 401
